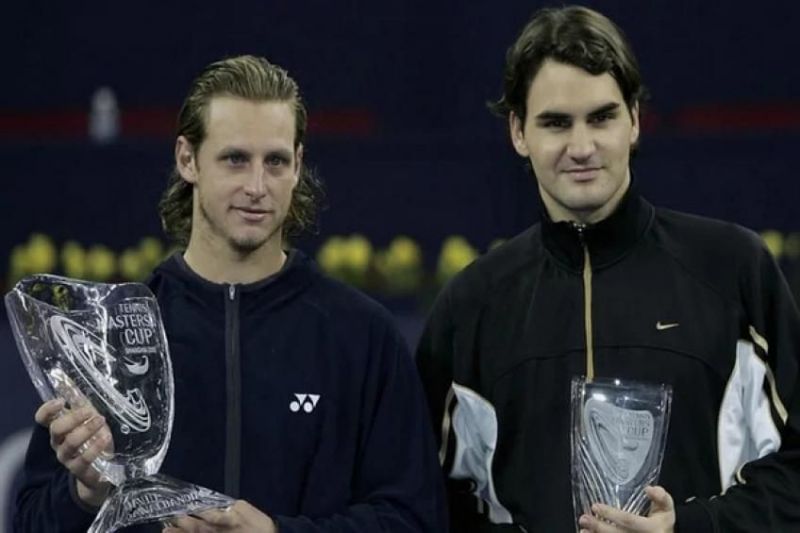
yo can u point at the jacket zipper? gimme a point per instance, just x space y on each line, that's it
233 412
587 301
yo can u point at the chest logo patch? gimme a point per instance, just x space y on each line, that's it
661 326
306 402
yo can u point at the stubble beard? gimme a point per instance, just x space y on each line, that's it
242 246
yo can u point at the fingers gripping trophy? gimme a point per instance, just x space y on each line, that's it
102 351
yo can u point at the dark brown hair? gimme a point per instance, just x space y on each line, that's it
574 35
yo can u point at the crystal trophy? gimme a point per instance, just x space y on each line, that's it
619 430
104 345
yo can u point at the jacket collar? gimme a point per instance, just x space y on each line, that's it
297 273
608 240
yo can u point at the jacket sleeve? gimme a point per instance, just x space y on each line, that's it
766 492
397 485
46 502
435 363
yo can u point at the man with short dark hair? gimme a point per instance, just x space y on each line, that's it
294 393
607 285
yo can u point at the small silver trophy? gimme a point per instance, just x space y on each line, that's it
104 345
619 430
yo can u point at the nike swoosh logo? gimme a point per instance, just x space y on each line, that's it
660 326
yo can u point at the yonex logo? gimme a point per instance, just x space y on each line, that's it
306 402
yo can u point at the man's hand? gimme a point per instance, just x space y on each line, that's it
240 517
78 436
610 520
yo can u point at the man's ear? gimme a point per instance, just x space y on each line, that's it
515 129
298 160
635 118
185 159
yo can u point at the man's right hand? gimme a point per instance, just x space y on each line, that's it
78 436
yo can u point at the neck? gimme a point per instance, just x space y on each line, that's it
224 264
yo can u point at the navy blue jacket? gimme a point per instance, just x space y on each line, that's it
357 456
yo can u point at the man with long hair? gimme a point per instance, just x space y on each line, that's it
293 393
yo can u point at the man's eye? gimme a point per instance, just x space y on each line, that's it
236 159
556 124
276 161
601 118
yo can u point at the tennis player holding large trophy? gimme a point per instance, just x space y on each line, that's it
104 346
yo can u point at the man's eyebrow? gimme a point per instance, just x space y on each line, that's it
281 152
552 115
560 115
228 150
606 108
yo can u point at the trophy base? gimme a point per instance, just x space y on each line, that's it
154 498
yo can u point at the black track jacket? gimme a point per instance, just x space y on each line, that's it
673 298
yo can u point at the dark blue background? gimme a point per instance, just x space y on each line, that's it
428 160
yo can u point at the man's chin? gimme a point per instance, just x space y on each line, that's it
251 241
247 245
584 206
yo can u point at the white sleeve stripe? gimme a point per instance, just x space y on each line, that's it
474 423
730 426
446 426
761 342
747 428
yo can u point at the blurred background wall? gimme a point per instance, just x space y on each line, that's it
420 177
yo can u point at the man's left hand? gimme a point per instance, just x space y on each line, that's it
240 517
607 519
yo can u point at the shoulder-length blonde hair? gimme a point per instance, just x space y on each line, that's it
253 78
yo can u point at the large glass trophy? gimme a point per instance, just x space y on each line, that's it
104 345
619 430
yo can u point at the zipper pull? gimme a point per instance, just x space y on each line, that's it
580 229
232 291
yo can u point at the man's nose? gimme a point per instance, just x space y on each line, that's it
256 183
581 143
